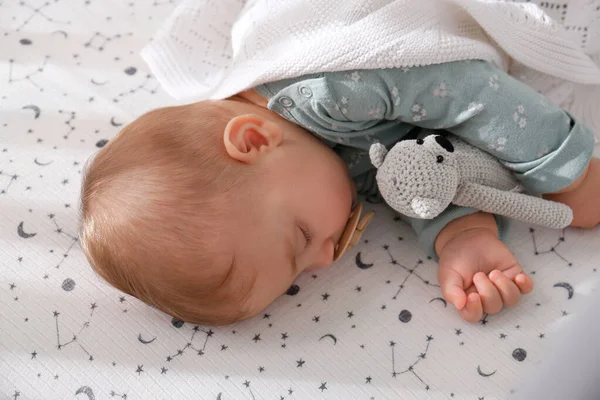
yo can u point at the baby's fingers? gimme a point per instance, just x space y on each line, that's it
513 271
452 287
508 289
473 310
524 282
490 297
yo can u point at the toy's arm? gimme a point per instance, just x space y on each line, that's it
518 206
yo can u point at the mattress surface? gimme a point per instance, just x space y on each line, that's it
374 326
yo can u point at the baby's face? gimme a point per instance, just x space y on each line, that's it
304 198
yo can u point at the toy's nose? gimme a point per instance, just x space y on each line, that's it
445 143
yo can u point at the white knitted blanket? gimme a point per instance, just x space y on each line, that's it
213 49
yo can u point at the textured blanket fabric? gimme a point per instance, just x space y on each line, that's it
371 327
210 49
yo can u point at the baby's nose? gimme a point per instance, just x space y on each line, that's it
325 256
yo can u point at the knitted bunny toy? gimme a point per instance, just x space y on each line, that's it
421 178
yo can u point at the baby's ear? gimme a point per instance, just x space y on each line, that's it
249 137
377 153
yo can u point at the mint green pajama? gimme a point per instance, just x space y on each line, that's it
545 147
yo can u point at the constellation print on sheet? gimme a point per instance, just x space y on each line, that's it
411 367
144 86
411 271
26 77
10 178
73 239
190 344
75 337
98 41
39 11
115 394
247 385
68 122
553 249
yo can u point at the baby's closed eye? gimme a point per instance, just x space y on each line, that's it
307 235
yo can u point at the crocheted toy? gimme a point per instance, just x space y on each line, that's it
421 178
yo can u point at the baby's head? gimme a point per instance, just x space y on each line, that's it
209 211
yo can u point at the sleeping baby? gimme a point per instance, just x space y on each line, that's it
209 211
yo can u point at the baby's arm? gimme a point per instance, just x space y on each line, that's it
547 149
477 272
469 248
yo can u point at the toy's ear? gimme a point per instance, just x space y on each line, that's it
426 208
377 153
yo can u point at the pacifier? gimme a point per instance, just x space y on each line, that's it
353 231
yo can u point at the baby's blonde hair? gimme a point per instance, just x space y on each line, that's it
155 202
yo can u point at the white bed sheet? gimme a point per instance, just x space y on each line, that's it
371 327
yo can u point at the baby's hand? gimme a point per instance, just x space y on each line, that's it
479 274
582 196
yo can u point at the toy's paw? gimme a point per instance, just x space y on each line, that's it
426 208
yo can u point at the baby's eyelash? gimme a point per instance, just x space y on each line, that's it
307 235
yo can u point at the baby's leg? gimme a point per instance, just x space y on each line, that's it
546 148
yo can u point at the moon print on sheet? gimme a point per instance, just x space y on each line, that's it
481 373
441 300
65 35
331 336
101 143
98 83
68 285
519 354
293 290
405 316
36 110
360 264
25 41
568 288
24 234
35 160
87 391
141 339
114 123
